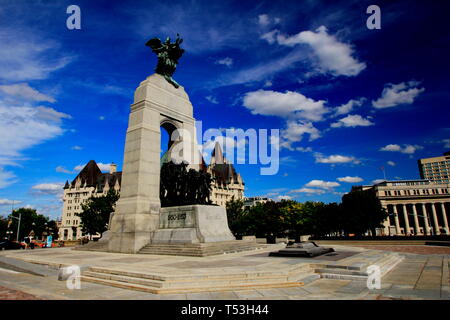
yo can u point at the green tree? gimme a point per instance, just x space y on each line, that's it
362 211
3 227
236 217
292 213
265 220
328 220
96 211
30 220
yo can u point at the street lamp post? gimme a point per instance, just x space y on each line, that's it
18 225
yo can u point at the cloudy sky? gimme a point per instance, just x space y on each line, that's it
347 100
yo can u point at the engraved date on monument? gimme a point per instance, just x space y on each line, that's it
177 216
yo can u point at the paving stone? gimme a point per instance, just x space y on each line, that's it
248 294
198 296
227 295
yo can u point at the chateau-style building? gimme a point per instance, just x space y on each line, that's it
91 181
227 182
415 207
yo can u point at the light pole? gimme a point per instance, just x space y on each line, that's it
18 225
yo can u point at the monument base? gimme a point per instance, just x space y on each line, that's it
192 224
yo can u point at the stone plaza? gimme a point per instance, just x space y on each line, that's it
234 276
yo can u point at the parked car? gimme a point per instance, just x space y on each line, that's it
9 245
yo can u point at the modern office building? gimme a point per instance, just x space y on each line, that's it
436 169
415 207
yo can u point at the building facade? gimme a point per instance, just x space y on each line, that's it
436 169
228 184
415 207
91 181
253 201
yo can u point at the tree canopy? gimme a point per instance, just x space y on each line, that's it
30 220
96 211
358 213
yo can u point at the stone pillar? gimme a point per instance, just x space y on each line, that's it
416 220
425 220
444 217
137 211
397 223
435 220
405 216
386 222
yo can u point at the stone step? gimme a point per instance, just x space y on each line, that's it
342 272
178 283
202 277
228 287
200 249
191 283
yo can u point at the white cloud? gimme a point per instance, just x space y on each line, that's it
354 120
333 56
407 148
376 181
350 179
309 191
101 118
294 133
4 202
283 197
227 61
24 91
302 149
348 107
391 163
286 105
397 94
212 99
447 143
335 159
6 178
24 127
62 169
102 166
76 148
263 19
322 184
270 36
48 188
25 56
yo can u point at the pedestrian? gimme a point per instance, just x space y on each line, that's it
27 242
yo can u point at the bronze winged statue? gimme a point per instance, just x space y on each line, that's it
168 55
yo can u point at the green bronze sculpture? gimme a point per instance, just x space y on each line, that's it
168 55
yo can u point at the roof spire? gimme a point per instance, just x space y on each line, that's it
217 155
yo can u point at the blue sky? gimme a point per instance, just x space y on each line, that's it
347 100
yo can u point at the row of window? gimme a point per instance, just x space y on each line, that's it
74 207
77 194
415 192
75 222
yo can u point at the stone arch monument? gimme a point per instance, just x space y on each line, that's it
139 219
